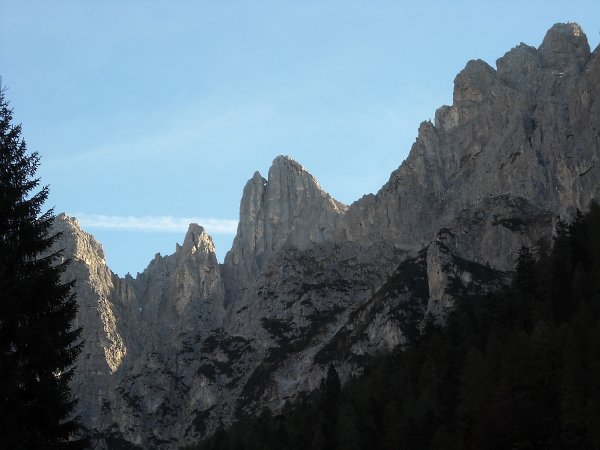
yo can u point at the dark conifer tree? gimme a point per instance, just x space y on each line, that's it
38 346
326 419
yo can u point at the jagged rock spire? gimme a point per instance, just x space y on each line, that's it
289 208
565 47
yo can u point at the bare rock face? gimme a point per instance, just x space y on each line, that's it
95 303
293 308
189 344
99 315
288 209
181 288
179 300
565 48
528 130
137 374
422 287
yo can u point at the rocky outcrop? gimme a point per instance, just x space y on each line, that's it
184 288
289 209
101 318
137 375
526 130
424 286
190 344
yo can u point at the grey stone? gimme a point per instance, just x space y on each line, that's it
189 343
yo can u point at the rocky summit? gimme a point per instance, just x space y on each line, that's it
190 344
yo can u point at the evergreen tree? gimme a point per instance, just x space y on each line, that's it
38 346
326 419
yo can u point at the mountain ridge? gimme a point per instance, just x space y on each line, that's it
189 343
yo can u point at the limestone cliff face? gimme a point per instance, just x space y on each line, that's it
137 375
189 344
528 130
180 289
176 302
288 209
100 316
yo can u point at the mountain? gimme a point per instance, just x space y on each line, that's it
513 368
190 344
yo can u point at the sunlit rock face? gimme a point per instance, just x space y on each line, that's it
190 344
137 375
288 209
526 130
98 314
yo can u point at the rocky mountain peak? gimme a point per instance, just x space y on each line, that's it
520 68
286 172
284 162
197 240
565 47
289 181
289 208
506 133
474 82
76 242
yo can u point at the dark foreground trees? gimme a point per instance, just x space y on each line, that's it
38 346
519 368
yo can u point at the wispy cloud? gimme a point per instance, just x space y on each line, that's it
155 223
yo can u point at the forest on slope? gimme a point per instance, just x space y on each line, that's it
517 368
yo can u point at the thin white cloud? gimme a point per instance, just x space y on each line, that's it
155 223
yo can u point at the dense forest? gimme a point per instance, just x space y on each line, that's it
518 368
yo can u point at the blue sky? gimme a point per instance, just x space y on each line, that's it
149 114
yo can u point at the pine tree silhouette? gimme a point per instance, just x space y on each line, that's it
38 346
